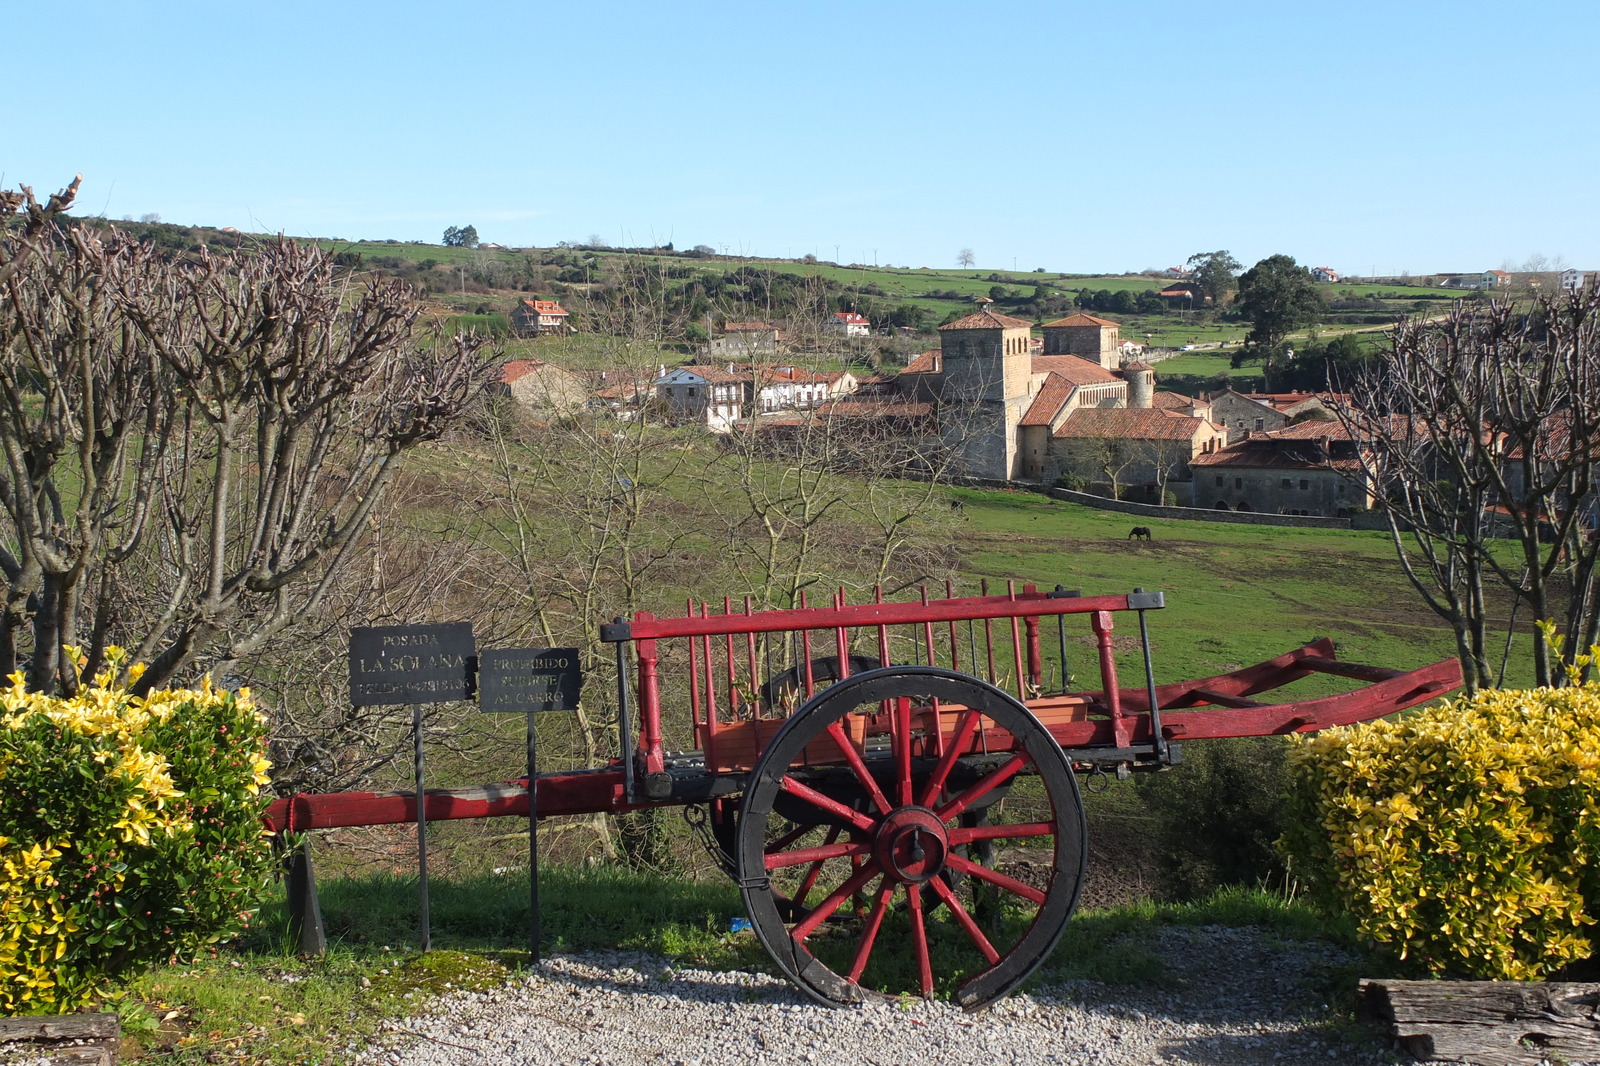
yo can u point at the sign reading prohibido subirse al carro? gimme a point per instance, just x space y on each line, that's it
529 679
411 664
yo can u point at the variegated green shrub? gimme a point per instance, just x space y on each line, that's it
130 831
1466 836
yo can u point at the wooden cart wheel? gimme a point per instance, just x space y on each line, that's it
856 904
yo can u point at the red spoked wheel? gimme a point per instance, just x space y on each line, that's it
857 876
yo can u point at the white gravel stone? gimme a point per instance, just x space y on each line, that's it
1246 998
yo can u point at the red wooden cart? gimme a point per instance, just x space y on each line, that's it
893 784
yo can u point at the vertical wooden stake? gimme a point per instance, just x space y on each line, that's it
533 846
422 827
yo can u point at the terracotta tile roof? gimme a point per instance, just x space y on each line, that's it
1075 369
1047 404
748 327
715 374
1081 319
1174 401
1129 422
544 307
1291 448
517 369
926 363
851 318
1137 364
987 319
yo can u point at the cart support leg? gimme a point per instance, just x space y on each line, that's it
305 910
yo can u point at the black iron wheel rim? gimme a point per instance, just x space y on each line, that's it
919 885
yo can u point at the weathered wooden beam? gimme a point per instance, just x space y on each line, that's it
62 1027
66 1040
1489 1023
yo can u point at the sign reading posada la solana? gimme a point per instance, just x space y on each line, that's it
411 664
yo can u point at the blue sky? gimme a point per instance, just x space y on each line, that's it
1074 136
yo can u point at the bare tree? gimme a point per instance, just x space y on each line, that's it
1484 426
192 448
965 258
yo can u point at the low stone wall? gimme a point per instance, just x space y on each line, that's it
1197 514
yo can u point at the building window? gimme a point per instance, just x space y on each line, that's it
1219 479
1238 482
1305 485
1285 482
1261 423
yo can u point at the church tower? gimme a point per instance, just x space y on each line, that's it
987 369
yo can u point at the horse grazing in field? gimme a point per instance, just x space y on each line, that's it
1139 533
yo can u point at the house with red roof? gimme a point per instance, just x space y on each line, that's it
536 385
1324 274
847 324
538 318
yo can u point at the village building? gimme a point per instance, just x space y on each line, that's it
848 324
536 385
538 318
1183 295
1577 280
744 340
1260 412
1312 468
1324 274
720 396
712 396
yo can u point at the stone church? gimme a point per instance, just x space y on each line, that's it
1015 415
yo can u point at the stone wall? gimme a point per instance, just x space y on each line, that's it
1197 514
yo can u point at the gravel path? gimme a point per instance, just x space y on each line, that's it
1242 996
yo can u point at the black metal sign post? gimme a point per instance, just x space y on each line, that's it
399 665
530 680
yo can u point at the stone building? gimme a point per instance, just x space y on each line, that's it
1087 337
1311 468
985 386
536 385
538 318
1260 412
1143 448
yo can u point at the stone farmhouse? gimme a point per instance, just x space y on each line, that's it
537 318
536 385
1258 412
1311 468
744 340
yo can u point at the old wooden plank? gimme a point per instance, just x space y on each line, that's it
1491 1023
62 1027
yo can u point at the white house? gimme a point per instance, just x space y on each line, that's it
1325 273
1494 279
1575 280
848 324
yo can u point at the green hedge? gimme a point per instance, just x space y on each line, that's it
1465 837
130 832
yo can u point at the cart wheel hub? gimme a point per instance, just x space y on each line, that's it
911 845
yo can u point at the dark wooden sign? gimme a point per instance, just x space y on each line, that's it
529 679
411 664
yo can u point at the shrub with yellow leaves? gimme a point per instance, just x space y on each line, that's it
1465 837
130 832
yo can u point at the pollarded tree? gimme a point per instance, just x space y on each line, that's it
1482 427
190 449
